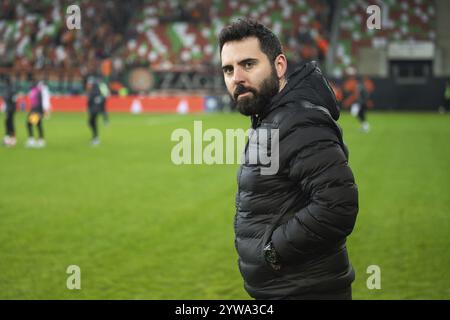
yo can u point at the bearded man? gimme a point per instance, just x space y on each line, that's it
290 226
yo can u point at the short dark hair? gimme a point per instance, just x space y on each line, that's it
245 28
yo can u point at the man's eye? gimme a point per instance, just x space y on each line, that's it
248 65
227 71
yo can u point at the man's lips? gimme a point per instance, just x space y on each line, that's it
245 93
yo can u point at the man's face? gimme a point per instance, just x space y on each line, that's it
250 77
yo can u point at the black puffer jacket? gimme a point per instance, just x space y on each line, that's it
309 207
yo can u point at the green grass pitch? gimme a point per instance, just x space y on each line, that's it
140 227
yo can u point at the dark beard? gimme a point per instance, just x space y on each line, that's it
260 100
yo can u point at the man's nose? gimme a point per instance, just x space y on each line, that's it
238 76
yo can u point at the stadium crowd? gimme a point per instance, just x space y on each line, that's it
163 35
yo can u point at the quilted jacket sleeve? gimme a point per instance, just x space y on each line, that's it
320 170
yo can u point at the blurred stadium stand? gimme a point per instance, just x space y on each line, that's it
147 46
401 21
163 35
36 43
408 58
169 35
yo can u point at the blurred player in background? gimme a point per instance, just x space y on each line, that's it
361 105
357 90
96 106
446 107
103 87
9 100
40 106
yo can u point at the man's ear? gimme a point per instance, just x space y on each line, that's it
281 65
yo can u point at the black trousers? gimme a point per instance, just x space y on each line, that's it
38 125
92 122
9 124
342 294
362 112
447 104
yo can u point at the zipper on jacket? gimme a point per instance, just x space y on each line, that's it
256 121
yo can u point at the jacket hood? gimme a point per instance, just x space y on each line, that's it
306 83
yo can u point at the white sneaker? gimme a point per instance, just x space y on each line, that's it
40 143
95 142
6 141
12 142
31 143
365 127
